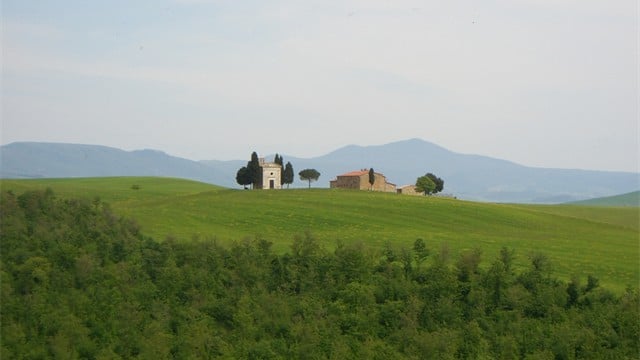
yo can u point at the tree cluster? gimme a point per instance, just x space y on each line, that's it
287 171
78 281
251 174
429 184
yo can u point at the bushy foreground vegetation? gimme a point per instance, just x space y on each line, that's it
80 282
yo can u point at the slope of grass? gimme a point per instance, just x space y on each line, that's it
114 190
628 217
628 199
595 241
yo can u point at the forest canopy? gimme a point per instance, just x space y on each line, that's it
80 281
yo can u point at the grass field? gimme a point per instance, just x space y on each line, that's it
579 240
628 199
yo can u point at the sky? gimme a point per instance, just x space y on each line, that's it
545 83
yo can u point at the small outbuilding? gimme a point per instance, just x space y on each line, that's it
359 180
408 190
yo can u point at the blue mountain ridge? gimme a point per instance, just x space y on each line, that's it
471 177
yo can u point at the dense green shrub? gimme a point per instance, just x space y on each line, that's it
78 281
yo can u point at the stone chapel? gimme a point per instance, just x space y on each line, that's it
271 175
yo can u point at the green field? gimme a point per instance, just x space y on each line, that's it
579 240
628 199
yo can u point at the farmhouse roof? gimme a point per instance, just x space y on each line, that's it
360 173
356 173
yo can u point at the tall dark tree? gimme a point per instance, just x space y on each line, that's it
287 175
243 177
372 178
309 175
279 160
255 172
436 180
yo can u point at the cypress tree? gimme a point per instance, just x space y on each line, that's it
278 160
288 175
255 172
372 178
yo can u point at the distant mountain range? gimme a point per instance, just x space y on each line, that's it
43 160
470 177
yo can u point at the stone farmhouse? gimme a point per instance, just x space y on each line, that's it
271 175
409 190
359 180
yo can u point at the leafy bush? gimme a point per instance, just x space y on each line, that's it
78 280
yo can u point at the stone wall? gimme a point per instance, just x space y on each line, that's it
380 183
408 190
361 182
346 182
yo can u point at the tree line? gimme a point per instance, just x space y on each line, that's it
79 281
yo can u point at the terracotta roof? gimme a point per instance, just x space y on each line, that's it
356 173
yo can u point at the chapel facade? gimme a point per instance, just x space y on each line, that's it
271 175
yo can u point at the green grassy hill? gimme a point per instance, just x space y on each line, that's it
579 240
628 199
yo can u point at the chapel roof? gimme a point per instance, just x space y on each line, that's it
270 165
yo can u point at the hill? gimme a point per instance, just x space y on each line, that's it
53 160
578 242
469 177
628 199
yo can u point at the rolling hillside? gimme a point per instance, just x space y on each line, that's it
628 199
470 177
580 242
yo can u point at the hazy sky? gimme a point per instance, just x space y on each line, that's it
550 83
